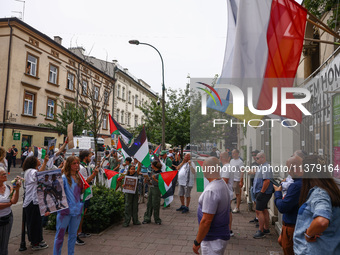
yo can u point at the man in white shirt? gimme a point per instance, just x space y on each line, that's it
186 175
236 164
228 176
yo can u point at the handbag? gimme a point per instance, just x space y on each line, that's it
5 219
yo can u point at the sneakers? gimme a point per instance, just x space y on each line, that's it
231 233
185 209
259 234
84 235
137 223
79 241
254 220
181 208
236 210
146 222
40 246
125 225
266 231
159 223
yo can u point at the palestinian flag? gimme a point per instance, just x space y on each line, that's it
201 181
117 129
158 150
140 149
167 183
112 177
86 187
123 148
39 153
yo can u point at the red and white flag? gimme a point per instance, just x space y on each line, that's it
264 41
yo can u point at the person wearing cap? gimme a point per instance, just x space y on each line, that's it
174 162
164 158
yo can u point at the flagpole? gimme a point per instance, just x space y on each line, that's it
323 26
321 41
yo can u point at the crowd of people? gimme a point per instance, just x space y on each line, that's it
308 200
309 203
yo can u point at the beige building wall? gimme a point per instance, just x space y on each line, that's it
27 40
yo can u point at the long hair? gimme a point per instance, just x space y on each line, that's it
67 170
30 162
322 179
2 153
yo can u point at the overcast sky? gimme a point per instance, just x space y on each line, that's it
190 34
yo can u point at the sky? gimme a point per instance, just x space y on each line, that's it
190 34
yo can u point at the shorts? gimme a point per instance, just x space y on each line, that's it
184 190
215 247
236 188
87 203
262 201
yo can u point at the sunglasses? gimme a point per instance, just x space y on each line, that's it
257 158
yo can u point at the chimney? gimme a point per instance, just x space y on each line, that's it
58 39
126 70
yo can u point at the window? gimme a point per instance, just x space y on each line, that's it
53 77
136 101
106 97
142 121
122 118
136 120
50 109
142 102
118 91
46 139
129 97
96 93
70 81
32 64
84 111
29 104
104 121
128 120
84 88
123 93
117 116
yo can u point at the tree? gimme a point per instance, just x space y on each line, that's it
68 113
320 7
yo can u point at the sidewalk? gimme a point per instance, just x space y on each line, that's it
174 236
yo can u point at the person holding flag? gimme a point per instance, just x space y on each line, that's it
85 159
71 216
131 200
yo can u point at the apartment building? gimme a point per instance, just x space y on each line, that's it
36 71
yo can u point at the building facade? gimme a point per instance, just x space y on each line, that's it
37 71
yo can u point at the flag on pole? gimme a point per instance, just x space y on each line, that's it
140 149
123 148
112 177
117 129
167 183
86 187
264 41
39 153
158 150
201 181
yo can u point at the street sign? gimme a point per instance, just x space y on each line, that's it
16 136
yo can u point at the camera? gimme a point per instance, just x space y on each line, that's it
158 102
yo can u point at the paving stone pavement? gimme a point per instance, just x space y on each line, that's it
174 236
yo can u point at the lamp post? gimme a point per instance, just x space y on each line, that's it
136 42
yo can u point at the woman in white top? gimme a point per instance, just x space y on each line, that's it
31 204
6 216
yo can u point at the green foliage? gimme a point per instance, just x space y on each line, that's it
68 113
320 7
177 119
106 208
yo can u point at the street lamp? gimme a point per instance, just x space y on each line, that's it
136 42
